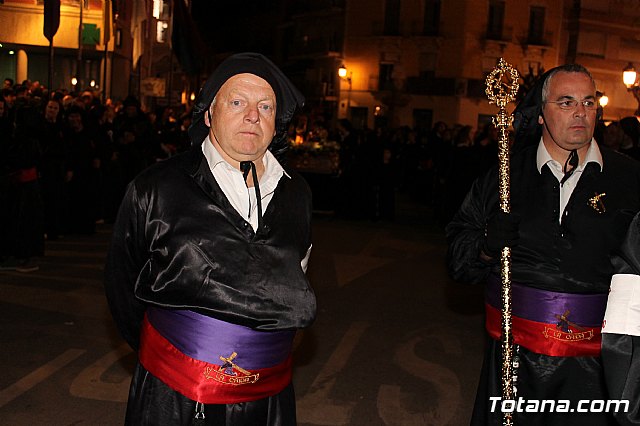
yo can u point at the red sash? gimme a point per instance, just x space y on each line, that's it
545 338
24 175
205 382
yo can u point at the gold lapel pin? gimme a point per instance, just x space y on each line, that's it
596 203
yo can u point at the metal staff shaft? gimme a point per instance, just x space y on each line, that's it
502 86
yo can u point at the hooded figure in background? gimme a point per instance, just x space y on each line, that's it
206 271
631 128
571 204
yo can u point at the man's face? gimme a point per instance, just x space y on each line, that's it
51 111
131 111
75 122
10 99
242 122
570 128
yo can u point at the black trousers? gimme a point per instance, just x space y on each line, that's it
151 402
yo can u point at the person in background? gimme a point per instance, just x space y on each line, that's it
621 329
24 237
205 276
53 170
571 204
83 172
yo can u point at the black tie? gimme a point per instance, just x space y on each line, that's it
245 166
570 165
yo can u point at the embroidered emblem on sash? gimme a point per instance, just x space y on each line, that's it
566 330
230 373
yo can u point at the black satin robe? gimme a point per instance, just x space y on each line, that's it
571 256
178 243
620 352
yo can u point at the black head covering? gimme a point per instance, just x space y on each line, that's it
631 127
525 117
288 98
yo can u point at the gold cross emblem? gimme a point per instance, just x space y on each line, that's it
228 362
596 203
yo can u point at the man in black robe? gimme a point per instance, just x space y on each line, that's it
206 271
621 329
571 204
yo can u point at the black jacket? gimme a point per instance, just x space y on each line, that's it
178 243
571 256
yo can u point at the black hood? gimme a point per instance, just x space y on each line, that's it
288 98
525 117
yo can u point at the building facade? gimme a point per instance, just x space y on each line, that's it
114 47
416 62
79 44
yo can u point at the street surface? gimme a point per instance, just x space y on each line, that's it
395 343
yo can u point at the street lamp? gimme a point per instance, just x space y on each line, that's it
604 100
345 74
629 78
629 75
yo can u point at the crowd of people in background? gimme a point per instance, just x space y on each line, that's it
434 167
66 159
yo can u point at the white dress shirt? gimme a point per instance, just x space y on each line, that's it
233 186
566 189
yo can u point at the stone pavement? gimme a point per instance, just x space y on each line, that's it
395 342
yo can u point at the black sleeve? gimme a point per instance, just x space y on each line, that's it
621 363
627 259
127 255
620 352
465 236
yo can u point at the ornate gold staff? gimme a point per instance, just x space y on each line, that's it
502 86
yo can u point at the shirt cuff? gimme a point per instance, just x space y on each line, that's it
623 306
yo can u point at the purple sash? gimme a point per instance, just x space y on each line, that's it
543 305
205 339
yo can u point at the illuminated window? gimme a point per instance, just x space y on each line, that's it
157 8
161 31
161 9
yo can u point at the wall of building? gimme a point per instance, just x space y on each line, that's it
21 32
22 24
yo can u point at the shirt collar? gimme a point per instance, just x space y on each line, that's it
593 156
272 168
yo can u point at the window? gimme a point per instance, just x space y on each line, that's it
161 31
385 81
495 22
431 17
392 17
161 9
536 25
422 119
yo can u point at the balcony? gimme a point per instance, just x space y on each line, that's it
499 35
538 40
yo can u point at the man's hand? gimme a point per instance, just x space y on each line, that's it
502 230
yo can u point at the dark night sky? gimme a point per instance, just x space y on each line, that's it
232 25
